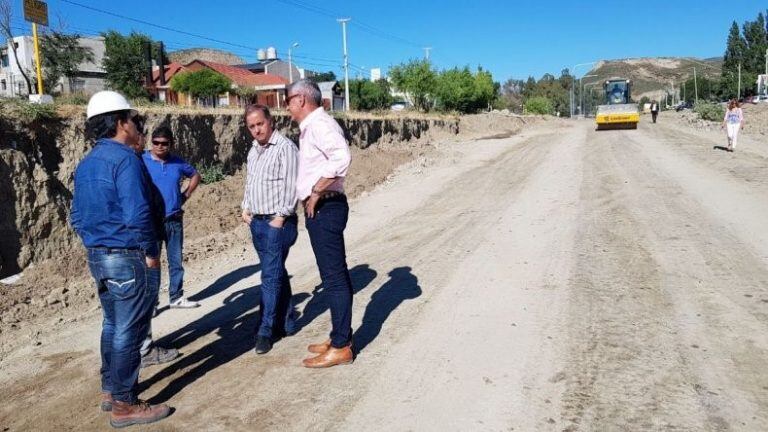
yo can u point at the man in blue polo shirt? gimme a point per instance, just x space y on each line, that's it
167 172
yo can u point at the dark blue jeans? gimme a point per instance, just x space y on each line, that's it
124 285
326 233
272 245
174 239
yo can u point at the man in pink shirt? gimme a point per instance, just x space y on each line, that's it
323 163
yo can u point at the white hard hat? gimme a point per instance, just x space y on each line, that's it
107 101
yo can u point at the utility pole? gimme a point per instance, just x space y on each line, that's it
695 86
426 52
290 63
344 22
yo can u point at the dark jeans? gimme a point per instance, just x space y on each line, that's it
174 239
272 245
654 114
124 285
326 233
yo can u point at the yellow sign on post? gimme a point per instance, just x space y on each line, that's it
36 12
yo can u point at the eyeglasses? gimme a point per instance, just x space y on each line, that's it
161 143
288 99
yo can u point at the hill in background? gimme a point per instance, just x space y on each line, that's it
208 54
653 76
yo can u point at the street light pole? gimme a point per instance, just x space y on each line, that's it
344 22
290 63
573 74
581 93
695 86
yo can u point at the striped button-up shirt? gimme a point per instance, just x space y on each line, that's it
270 182
324 153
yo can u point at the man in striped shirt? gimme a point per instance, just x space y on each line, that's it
269 209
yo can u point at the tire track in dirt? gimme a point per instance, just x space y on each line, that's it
650 314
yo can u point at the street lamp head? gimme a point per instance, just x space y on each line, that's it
295 44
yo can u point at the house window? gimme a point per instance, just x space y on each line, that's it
78 85
4 58
3 86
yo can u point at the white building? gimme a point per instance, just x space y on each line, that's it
89 79
375 74
11 80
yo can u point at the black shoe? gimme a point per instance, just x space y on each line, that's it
263 344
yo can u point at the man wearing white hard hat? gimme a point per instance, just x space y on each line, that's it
112 213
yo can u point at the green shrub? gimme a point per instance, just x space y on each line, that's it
538 105
212 173
27 111
709 111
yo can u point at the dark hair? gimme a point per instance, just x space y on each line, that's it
105 125
733 103
258 107
163 132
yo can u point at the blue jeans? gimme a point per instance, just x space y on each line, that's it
174 239
272 245
124 286
326 233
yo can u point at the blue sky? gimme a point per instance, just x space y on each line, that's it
509 38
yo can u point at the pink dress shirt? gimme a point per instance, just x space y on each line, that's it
323 152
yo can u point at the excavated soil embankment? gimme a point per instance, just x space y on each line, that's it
37 162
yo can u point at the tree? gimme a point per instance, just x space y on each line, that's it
538 105
459 90
201 83
455 90
417 79
756 44
125 63
61 55
369 95
486 90
323 76
5 28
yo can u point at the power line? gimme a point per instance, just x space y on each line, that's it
156 25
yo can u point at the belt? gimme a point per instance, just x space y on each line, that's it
263 216
112 251
330 194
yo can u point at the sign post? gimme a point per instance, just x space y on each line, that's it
36 12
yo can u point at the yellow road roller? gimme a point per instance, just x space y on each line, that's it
618 112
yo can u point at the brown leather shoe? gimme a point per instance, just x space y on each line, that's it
319 348
106 401
125 414
332 357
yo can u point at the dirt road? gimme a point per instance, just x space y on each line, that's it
560 279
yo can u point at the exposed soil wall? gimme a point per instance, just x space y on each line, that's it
38 159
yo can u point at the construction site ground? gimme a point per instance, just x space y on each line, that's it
558 279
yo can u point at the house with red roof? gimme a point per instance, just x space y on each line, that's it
160 90
247 87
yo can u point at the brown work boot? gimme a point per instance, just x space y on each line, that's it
125 414
332 357
319 348
106 401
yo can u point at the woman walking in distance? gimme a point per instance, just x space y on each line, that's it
733 122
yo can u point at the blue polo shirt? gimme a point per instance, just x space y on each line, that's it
167 176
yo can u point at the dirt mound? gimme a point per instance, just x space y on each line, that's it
496 124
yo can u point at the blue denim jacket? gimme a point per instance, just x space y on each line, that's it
112 203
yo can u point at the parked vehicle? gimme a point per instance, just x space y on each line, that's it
683 105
